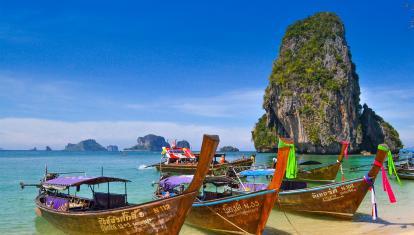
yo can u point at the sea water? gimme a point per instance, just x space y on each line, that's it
17 215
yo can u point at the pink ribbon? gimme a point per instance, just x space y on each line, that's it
385 183
346 143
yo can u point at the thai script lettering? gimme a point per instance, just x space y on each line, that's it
334 193
111 222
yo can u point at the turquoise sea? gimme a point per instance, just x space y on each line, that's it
17 214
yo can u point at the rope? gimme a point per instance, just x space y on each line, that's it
224 218
244 188
287 218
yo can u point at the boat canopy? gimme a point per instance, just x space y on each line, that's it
70 181
177 153
258 172
173 181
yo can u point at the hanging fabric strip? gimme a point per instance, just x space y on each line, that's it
346 143
374 210
391 165
385 183
292 166
342 171
374 204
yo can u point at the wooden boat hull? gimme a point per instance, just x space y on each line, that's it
157 217
405 170
407 176
218 169
339 199
246 213
321 174
233 215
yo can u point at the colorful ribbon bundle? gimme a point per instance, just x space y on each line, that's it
391 168
292 166
342 172
374 211
345 153
385 182
391 165
346 144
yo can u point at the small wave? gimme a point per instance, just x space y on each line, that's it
143 167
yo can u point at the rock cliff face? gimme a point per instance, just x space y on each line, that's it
313 93
376 131
85 145
149 143
183 144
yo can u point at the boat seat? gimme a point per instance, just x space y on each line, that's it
102 200
291 185
57 203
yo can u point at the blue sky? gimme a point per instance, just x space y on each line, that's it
115 71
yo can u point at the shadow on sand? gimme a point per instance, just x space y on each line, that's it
273 231
367 218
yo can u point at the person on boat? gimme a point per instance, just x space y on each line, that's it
167 194
222 159
253 157
274 163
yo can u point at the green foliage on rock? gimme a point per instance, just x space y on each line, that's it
392 135
302 61
313 93
264 138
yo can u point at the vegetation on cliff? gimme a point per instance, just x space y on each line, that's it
313 92
263 137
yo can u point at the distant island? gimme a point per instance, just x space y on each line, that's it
313 94
229 149
48 148
153 142
85 145
183 144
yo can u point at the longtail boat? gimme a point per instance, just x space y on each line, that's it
109 213
183 161
228 211
335 199
326 173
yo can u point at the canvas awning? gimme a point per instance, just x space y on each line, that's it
173 181
70 181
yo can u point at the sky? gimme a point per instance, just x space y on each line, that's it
114 71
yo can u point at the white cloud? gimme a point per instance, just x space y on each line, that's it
25 133
227 105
